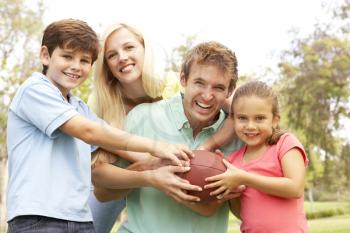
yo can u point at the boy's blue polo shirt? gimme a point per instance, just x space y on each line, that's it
150 210
49 171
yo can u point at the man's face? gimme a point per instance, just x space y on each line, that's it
206 89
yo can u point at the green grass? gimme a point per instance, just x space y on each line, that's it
336 224
318 206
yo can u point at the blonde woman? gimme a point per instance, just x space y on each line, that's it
124 78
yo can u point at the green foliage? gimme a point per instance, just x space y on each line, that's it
20 28
177 55
84 90
315 84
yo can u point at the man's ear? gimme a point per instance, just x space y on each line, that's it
44 55
183 79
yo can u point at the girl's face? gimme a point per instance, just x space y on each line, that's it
124 55
254 120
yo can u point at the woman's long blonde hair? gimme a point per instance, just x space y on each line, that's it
107 101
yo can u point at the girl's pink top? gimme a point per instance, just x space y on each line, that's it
262 212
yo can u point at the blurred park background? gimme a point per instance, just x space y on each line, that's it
310 69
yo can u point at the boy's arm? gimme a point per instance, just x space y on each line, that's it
222 137
113 139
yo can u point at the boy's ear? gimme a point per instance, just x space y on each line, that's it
44 55
183 79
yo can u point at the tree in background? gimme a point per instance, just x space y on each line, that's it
20 37
315 84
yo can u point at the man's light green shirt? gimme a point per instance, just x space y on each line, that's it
151 211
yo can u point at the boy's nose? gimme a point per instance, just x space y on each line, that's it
76 65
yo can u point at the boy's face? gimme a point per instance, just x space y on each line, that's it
206 90
67 68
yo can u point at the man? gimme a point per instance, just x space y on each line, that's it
208 76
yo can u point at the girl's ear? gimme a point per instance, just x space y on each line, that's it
44 55
275 121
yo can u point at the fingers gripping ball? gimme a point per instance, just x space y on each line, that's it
203 165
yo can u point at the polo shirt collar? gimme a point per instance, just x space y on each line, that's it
73 100
180 119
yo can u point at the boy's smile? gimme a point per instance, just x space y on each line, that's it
67 68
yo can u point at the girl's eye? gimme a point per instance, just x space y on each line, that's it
130 47
85 61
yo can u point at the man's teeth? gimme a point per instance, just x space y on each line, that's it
203 105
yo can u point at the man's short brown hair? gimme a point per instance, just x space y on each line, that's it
212 53
72 34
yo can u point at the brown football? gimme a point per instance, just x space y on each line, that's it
203 165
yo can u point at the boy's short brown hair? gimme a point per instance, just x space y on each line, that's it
212 53
73 34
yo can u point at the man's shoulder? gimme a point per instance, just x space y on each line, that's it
148 108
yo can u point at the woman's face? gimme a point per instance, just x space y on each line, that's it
124 55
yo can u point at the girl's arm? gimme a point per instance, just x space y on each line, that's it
222 137
289 186
235 207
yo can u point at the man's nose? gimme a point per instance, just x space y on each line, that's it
207 95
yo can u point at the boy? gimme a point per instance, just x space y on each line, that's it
49 132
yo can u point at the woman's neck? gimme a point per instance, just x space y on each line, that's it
134 94
133 90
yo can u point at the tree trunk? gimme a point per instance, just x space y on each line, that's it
3 188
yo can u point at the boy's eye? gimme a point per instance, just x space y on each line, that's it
130 47
260 118
67 56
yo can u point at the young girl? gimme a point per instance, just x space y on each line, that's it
272 165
